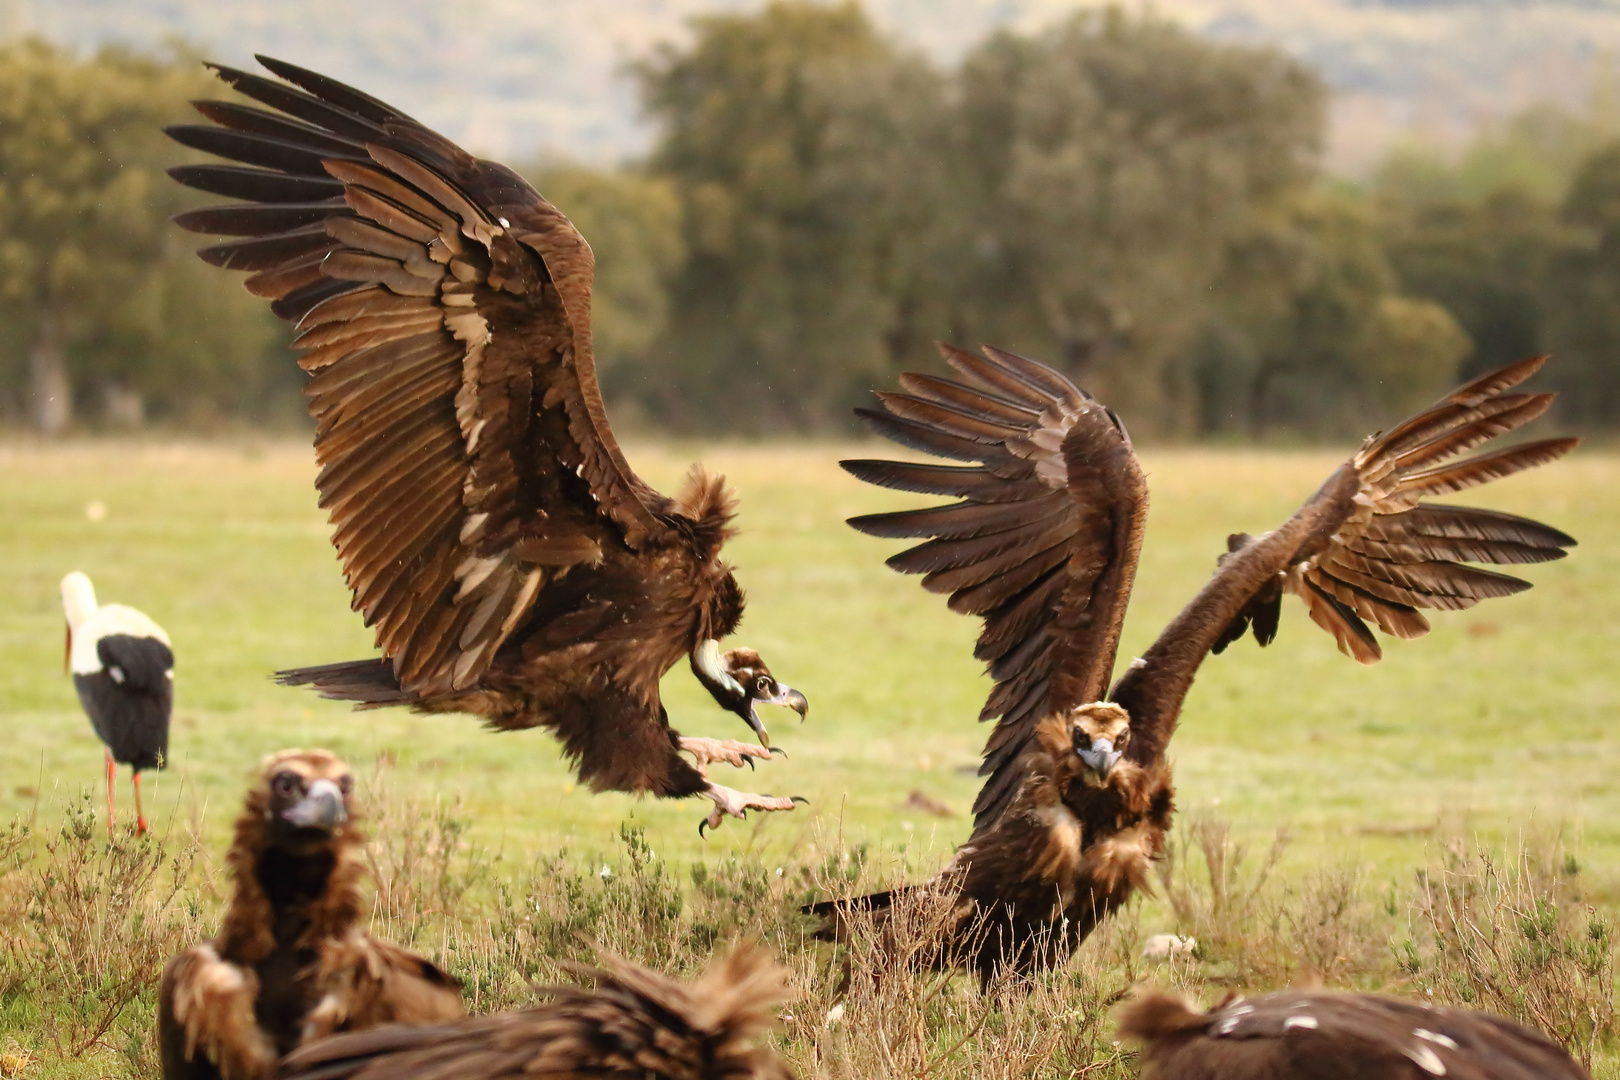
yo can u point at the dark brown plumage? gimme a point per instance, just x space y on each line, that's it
292 960
635 1023
512 564
1318 1035
1043 545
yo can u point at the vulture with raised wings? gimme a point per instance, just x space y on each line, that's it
491 531
633 1023
1043 545
292 960
1321 1035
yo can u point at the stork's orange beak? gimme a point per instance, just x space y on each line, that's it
67 650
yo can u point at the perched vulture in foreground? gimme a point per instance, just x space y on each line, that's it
1044 547
1319 1035
123 670
635 1023
292 961
512 564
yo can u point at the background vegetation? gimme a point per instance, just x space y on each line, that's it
1140 205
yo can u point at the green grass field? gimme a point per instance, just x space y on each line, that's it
1501 721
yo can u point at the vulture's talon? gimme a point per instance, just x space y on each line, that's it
799 799
708 751
778 750
729 803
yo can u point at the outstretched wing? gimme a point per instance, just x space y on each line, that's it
1043 544
444 310
1366 547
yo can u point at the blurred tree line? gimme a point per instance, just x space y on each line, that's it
1140 206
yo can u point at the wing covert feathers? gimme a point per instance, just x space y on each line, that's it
206 1012
634 1022
1042 543
443 310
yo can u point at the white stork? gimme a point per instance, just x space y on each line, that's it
123 670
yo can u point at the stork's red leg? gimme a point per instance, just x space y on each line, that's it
111 766
140 816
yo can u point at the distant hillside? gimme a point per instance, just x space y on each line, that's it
515 76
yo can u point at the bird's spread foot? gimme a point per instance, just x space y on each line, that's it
729 803
708 751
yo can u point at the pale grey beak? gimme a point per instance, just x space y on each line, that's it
320 808
786 695
1101 758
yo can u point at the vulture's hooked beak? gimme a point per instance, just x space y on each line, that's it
1101 757
320 808
785 695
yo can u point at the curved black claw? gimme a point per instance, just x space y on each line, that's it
799 798
701 826
778 750
750 760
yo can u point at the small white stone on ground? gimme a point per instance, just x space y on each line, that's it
1167 946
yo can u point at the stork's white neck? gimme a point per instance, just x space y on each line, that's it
78 598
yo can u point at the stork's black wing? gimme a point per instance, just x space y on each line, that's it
1043 544
144 663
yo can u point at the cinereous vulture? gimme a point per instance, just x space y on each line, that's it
1043 546
512 564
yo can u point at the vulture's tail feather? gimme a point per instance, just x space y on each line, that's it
835 913
369 683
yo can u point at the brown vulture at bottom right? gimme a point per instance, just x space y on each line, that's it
1043 545
1320 1035
635 1023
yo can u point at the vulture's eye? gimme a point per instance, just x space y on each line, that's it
285 784
763 684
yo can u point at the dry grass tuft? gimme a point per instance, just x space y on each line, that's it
1511 933
89 925
85 927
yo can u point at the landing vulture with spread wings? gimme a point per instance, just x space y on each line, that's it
491 531
1043 546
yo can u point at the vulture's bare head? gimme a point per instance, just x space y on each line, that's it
1100 731
740 682
304 796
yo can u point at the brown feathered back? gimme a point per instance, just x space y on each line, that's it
635 1022
1322 1035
